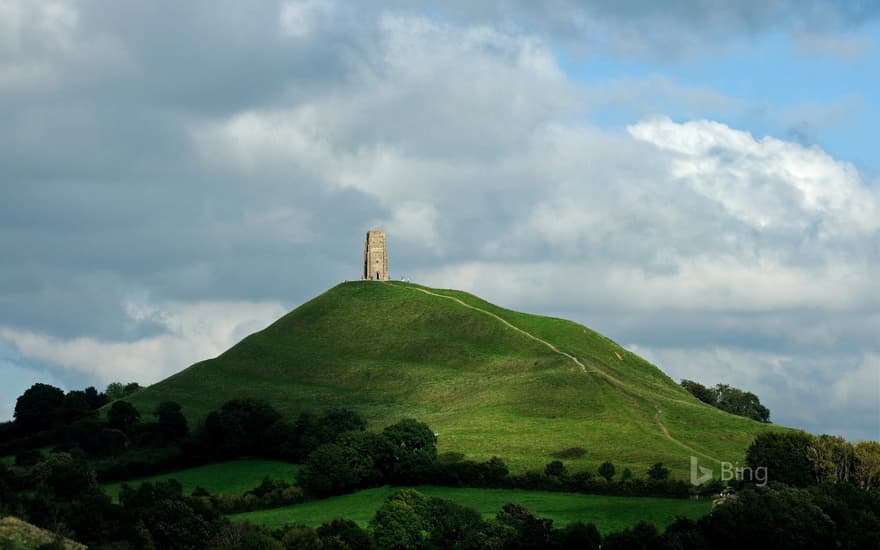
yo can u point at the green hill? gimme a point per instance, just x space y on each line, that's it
488 380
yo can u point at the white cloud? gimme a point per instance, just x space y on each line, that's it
860 388
299 18
767 183
415 222
191 332
843 46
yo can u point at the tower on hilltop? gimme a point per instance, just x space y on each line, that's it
375 256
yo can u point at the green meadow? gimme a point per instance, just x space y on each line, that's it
608 513
232 478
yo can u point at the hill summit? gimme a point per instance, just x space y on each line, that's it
489 381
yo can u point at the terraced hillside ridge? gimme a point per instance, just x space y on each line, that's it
489 381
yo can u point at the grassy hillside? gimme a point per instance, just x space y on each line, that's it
17 534
490 381
608 513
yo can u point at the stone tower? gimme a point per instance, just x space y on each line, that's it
375 256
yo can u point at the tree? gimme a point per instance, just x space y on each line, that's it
606 470
239 427
122 416
171 420
776 517
312 431
300 537
555 469
581 536
658 472
642 536
74 406
170 520
741 403
36 408
414 448
96 400
114 391
343 533
399 522
448 523
626 474
699 391
867 464
67 497
332 469
531 531
831 457
730 399
785 455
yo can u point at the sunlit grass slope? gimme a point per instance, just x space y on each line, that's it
391 350
608 513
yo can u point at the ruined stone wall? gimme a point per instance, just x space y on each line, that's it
375 256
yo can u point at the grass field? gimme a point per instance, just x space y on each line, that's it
391 351
608 513
231 478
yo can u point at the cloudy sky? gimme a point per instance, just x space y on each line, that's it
699 181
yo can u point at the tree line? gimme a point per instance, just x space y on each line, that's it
729 399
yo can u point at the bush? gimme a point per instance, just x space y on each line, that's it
122 416
172 423
606 470
571 452
28 457
658 471
555 469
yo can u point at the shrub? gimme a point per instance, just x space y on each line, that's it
571 452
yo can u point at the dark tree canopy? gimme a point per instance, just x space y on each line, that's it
171 420
118 390
96 400
785 455
606 470
239 427
555 469
36 408
658 471
122 415
75 405
730 399
780 518
699 391
742 403
414 447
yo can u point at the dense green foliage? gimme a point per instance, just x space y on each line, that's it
785 456
390 351
730 399
37 408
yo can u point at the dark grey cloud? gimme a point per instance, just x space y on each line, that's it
675 29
